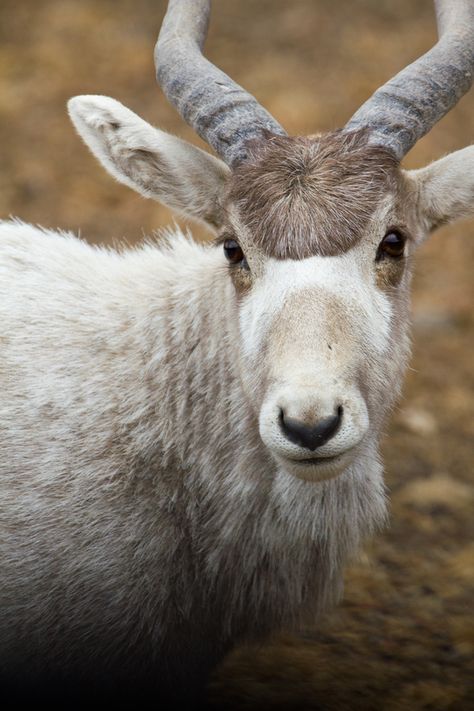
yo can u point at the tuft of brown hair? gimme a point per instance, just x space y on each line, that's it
304 196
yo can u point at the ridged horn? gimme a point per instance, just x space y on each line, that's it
407 106
218 109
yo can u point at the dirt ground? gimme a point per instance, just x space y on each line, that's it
403 637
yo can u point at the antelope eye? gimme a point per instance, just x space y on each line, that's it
233 251
392 245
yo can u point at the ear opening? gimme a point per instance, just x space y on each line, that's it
445 189
150 161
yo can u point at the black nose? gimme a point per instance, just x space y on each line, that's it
311 437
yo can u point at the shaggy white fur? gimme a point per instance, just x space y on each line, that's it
151 516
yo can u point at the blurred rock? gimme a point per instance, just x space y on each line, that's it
420 422
432 319
438 490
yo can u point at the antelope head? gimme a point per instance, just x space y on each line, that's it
318 232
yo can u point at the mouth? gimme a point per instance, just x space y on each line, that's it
317 461
317 468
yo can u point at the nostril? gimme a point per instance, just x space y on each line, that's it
310 436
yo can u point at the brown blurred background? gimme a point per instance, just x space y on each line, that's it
403 637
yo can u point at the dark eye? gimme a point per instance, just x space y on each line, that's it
392 245
233 252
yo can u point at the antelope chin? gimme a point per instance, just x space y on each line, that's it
317 468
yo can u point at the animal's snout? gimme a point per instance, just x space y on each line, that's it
313 432
310 435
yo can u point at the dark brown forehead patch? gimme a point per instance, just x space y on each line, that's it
308 196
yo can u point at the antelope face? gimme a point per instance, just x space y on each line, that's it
321 316
318 234
317 239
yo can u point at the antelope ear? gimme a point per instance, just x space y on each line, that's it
150 161
445 188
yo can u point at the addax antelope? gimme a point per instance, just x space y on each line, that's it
189 434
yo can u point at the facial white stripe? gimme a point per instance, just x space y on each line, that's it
340 277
